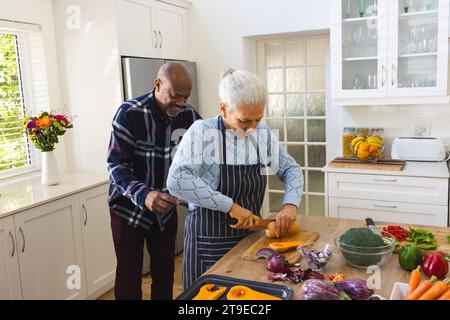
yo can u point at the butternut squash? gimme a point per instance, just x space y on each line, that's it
270 230
210 292
245 293
284 246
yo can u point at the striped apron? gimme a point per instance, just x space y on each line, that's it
207 236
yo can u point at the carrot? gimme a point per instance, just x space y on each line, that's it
414 280
438 288
446 295
421 289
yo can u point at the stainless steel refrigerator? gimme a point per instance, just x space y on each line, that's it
138 77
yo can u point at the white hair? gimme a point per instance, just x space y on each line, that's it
239 87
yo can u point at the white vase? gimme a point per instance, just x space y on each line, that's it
50 173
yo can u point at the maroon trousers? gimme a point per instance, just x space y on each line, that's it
129 246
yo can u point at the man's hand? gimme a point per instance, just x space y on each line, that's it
284 219
160 202
246 218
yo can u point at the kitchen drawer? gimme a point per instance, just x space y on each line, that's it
389 188
392 212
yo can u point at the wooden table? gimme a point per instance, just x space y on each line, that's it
232 265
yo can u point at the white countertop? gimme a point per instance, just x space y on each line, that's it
29 192
411 169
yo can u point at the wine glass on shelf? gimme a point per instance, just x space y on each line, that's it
361 4
405 5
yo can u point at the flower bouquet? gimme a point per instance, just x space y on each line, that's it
43 131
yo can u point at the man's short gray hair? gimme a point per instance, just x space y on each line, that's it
239 87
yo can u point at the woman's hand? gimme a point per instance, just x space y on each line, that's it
284 219
246 218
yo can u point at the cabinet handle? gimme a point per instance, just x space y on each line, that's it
394 71
156 38
383 76
385 180
23 238
85 211
160 36
13 243
390 207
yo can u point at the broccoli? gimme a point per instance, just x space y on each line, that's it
356 246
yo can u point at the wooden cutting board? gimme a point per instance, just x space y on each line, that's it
291 255
383 164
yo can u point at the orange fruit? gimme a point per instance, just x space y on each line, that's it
362 154
373 149
364 146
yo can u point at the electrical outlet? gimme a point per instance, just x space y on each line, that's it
422 128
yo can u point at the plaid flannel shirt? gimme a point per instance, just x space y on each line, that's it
140 152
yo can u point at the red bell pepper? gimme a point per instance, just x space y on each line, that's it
434 264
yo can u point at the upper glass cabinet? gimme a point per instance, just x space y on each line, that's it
389 49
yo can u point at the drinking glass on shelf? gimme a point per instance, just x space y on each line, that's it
372 81
358 82
361 4
347 8
428 4
375 7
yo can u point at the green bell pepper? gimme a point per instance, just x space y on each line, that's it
409 257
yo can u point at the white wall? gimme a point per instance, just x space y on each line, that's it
40 12
90 78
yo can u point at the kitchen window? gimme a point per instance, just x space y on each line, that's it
23 89
294 73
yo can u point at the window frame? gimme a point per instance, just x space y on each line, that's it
25 80
261 69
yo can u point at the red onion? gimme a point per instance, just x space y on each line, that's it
277 264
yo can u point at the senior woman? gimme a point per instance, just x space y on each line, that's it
225 175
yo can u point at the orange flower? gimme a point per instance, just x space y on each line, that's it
43 122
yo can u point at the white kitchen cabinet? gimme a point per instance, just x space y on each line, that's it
49 244
383 55
171 26
152 29
419 194
136 28
10 288
98 246
388 211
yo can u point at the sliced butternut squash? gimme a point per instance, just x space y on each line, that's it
245 293
270 230
284 246
210 292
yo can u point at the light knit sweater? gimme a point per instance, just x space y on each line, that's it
194 174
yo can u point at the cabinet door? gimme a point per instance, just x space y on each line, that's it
50 251
418 48
171 21
9 264
359 48
136 28
98 246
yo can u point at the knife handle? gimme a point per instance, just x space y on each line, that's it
230 221
370 222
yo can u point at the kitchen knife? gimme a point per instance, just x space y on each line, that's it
261 224
372 227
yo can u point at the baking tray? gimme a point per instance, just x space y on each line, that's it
280 291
